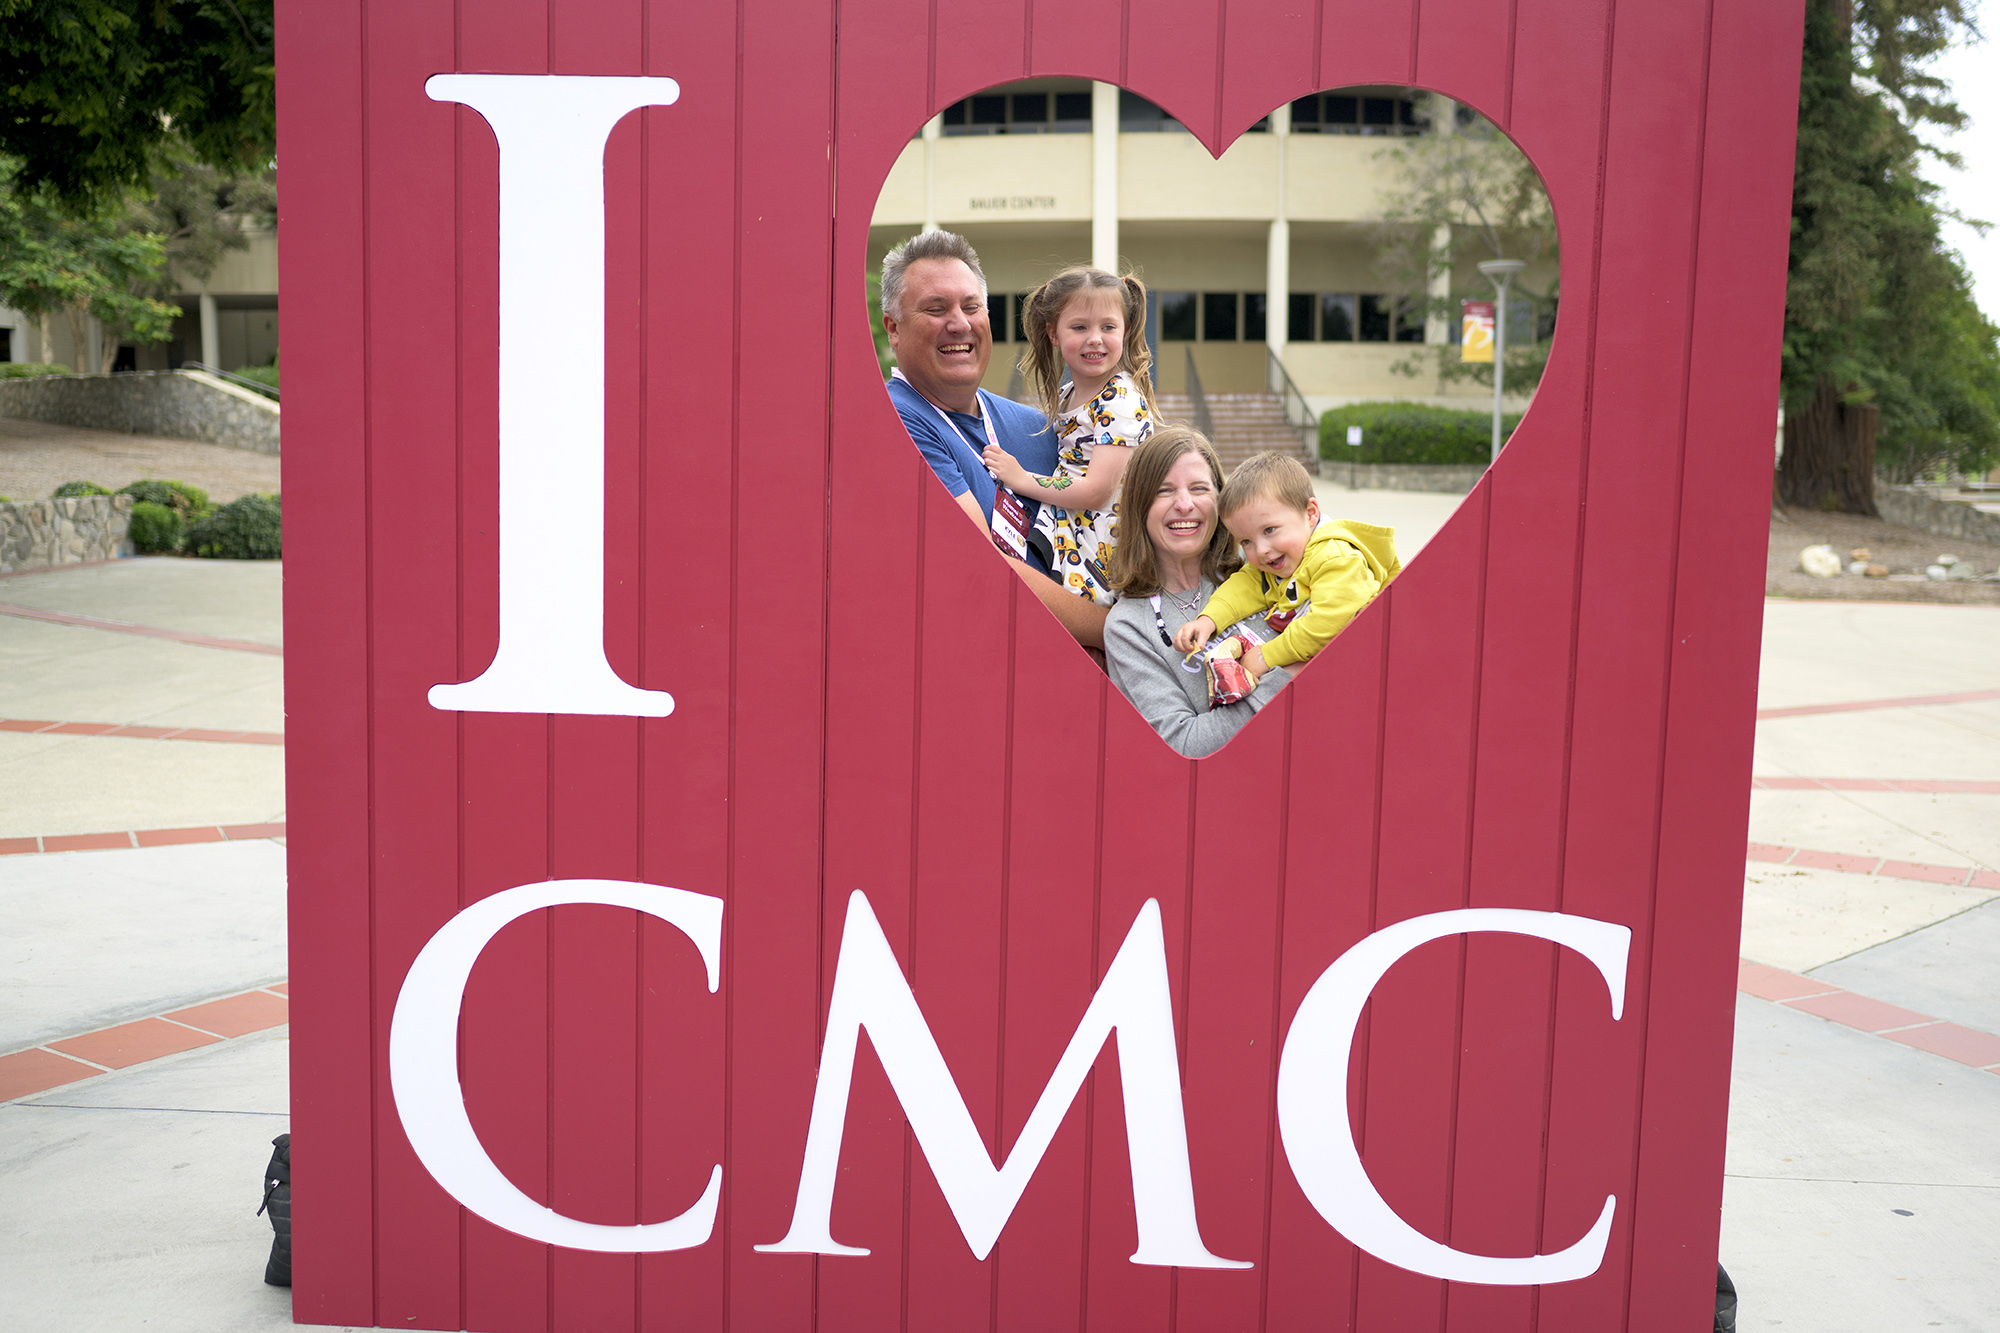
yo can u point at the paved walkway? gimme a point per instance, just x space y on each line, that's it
36 457
142 998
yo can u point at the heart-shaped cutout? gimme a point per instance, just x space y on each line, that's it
1016 184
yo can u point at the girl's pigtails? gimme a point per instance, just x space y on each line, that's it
1138 358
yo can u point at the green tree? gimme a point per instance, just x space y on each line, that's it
95 93
201 212
1462 194
55 262
1888 363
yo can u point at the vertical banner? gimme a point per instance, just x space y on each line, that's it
1475 342
658 726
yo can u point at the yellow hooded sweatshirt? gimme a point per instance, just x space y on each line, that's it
1344 565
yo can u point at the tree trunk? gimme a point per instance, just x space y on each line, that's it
1829 458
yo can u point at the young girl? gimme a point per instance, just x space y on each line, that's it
1092 324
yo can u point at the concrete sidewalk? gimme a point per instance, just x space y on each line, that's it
1863 1188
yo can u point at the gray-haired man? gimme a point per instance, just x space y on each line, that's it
934 309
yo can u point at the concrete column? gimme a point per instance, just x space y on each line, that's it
1278 248
211 333
933 131
1437 327
1104 176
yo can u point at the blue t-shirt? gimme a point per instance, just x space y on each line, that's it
954 454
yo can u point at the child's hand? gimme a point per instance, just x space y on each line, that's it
1193 635
1006 469
1253 662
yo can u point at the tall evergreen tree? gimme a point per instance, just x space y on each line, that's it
1888 363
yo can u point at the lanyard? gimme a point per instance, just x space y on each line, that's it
1160 620
985 415
1010 516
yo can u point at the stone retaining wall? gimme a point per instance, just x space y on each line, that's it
35 534
179 404
1912 508
1447 478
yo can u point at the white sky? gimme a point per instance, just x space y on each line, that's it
1974 74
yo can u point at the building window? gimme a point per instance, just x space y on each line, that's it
1299 318
1177 316
1072 111
1255 327
1388 111
1001 112
1375 318
1136 115
1218 317
1336 317
6 344
1409 319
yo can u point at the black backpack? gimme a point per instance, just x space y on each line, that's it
278 1199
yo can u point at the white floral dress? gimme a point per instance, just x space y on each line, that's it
1078 542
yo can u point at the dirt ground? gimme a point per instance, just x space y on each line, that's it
1904 550
36 457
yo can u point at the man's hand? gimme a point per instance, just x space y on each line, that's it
1193 635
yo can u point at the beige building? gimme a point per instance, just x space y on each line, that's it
1049 172
228 322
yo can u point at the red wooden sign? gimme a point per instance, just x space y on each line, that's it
659 729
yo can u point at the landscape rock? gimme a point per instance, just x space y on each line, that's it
1820 562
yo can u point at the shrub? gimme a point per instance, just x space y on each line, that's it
261 374
190 502
245 529
1411 433
155 528
70 490
13 370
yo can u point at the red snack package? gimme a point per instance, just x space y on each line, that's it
1228 681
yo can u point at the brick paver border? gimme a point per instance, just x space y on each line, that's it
1971 877
1866 705
1929 786
1968 1046
146 631
135 732
156 837
88 1054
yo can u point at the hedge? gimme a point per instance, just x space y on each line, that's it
1410 433
245 529
155 529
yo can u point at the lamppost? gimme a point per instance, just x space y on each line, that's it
1500 272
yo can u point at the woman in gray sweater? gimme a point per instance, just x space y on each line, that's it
1172 552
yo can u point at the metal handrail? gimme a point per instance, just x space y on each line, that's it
1297 411
220 374
1202 421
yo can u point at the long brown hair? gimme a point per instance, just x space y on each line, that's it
1042 311
1134 570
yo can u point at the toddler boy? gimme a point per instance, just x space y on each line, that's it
1311 577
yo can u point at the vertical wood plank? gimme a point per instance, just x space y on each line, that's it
1416 1012
776 567
1635 460
686 434
322 119
411 293
1731 380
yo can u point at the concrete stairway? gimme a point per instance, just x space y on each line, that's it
1245 424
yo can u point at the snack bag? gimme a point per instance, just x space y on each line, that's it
1228 681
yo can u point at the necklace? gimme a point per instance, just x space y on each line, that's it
1193 599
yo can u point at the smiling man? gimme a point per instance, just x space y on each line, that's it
934 309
